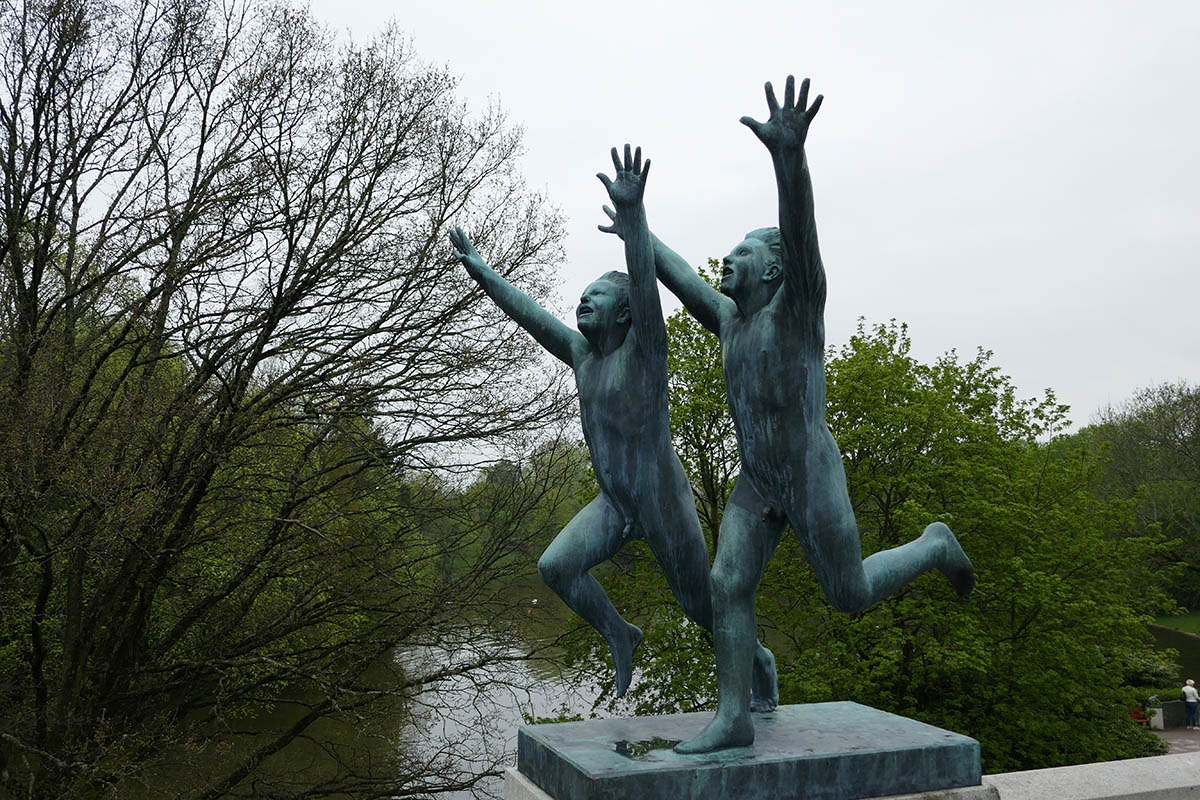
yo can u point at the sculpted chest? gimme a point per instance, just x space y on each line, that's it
764 367
603 384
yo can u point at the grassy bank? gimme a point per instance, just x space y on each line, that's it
1189 623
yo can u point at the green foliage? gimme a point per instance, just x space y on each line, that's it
1153 443
700 425
562 714
1032 664
556 476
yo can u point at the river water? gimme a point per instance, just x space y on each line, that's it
1186 644
483 718
459 726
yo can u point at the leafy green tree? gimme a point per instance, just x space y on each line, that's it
701 428
1153 441
533 496
1036 663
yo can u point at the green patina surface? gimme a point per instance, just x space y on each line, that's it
819 751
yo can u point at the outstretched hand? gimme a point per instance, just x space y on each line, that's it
466 253
614 225
787 126
627 188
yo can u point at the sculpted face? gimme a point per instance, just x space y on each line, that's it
745 266
600 307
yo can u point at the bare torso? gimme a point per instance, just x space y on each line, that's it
774 366
623 407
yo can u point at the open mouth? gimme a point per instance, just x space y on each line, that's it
581 312
727 272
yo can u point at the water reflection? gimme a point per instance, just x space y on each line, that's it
641 749
476 686
476 712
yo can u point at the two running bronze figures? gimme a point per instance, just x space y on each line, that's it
769 316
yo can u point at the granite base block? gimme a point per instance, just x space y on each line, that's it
518 787
820 751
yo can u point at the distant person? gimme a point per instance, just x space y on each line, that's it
619 357
1191 698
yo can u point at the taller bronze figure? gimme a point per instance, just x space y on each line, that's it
619 357
769 315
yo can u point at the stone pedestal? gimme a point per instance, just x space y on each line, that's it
821 751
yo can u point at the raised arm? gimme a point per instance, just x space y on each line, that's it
562 342
701 300
626 190
784 134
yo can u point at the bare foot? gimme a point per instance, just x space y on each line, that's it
622 654
721 734
955 564
764 686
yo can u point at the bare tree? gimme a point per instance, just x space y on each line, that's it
235 359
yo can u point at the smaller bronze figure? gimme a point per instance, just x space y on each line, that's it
619 358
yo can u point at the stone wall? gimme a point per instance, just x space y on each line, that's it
1175 777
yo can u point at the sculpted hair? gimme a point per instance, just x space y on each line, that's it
621 281
769 237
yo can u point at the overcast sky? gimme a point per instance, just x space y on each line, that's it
1017 176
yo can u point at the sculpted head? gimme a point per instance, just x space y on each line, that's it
604 305
753 263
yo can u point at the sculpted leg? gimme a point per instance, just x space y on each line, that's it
835 550
936 548
683 556
828 532
593 536
673 533
950 558
746 543
764 684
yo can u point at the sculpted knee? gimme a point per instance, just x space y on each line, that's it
729 584
554 571
848 601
